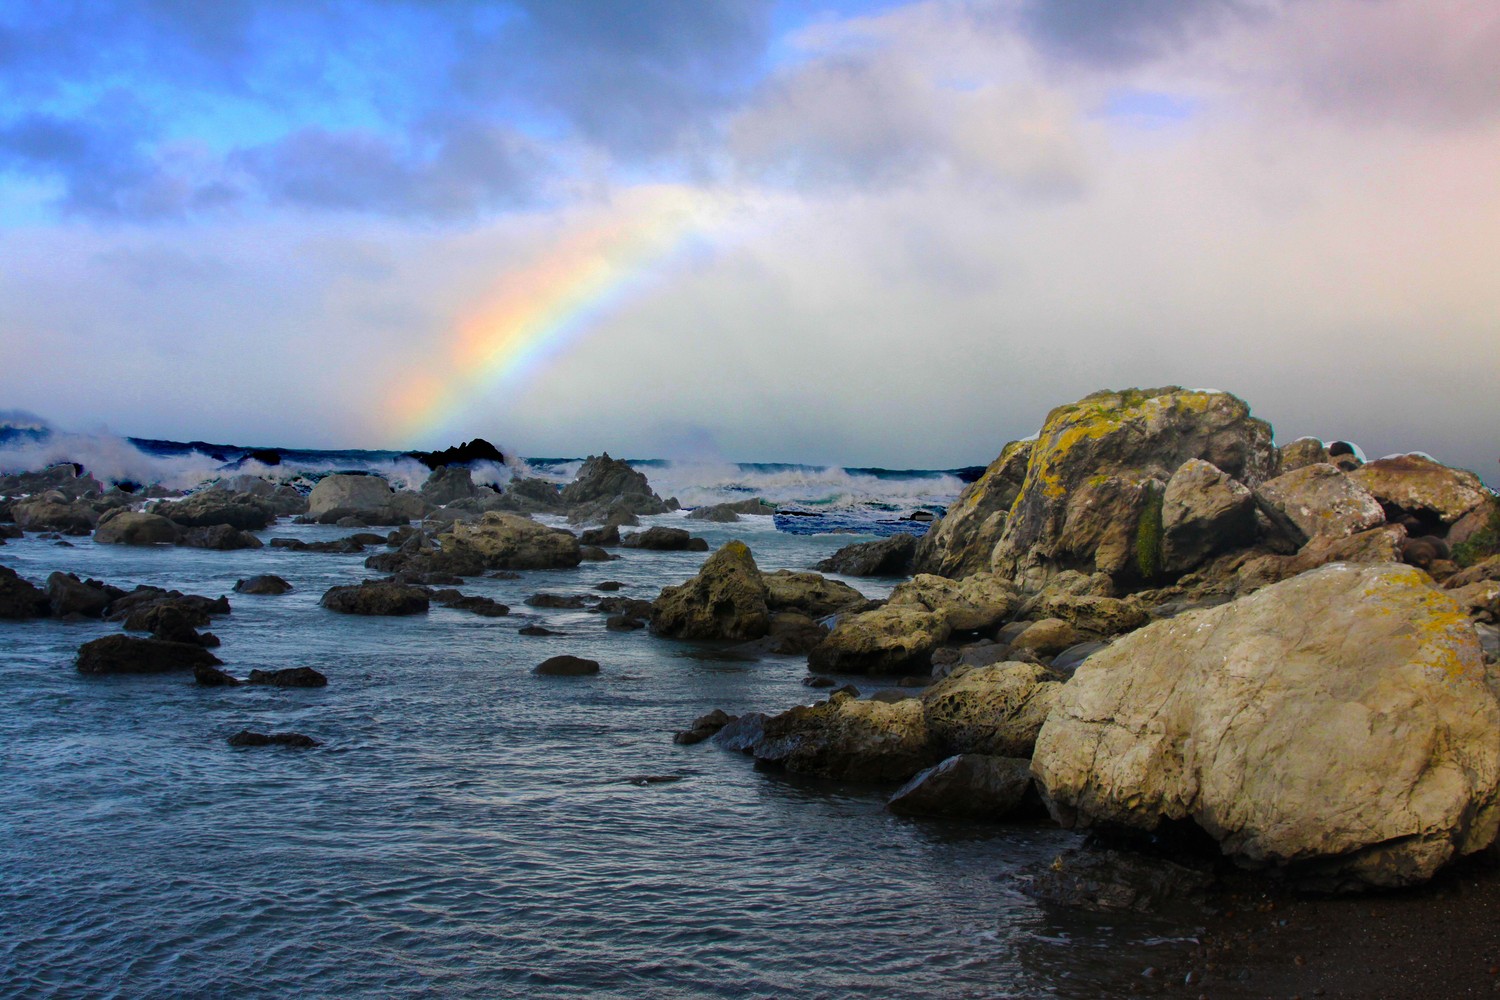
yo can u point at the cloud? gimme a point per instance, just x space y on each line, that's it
446 169
1122 33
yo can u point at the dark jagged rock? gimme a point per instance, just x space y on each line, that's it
447 484
68 478
218 537
68 595
296 741
483 606
266 584
704 727
372 598
557 601
127 654
624 623
604 484
174 621
301 677
466 453
536 630
265 456
660 539
1113 881
210 676
891 556
19 598
566 666
605 536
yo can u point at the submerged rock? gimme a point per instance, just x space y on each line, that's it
267 584
966 786
296 741
566 666
1339 721
371 598
127 654
704 727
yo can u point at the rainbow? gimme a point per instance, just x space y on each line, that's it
537 312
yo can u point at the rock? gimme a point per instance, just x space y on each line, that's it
1102 616
566 666
1318 501
127 654
890 556
485 607
296 741
535 630
219 537
841 738
124 605
966 786
67 479
664 540
174 621
557 601
53 512
808 593
704 727
126 527
1046 637
998 709
1093 488
370 598
508 541
606 481
68 595
1489 569
1302 453
725 513
298 677
1066 662
242 511
342 491
1203 513
465 453
211 676
267 584
1378 545
1418 487
977 603
531 495
895 639
1476 535
963 540
1111 881
607 535
448 483
608 585
726 600
19 598
1338 721
624 623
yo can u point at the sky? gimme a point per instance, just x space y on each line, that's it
857 233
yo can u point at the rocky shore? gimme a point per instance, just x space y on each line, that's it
1150 623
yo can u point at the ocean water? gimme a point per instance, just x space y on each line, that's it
471 830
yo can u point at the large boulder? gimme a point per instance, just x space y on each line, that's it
966 786
1203 512
1092 495
242 511
841 738
348 492
376 598
67 479
808 593
509 541
890 556
996 709
894 639
448 483
726 600
1418 487
1339 720
1318 501
128 527
976 603
19 598
963 540
127 654
51 511
604 482
530 496
68 595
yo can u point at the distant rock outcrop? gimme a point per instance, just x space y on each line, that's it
467 453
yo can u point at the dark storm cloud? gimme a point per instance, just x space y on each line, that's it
449 169
104 171
1118 33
